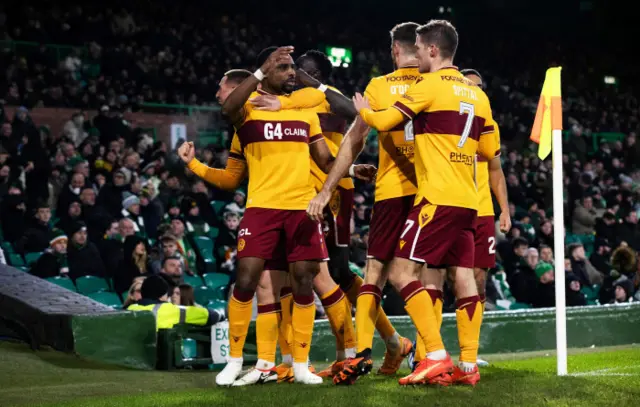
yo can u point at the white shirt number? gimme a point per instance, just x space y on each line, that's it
470 111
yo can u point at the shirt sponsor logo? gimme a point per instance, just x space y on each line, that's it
406 151
460 158
402 78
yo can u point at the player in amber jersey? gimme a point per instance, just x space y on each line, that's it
276 146
395 190
489 177
274 305
452 121
315 69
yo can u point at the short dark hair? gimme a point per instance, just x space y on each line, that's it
264 54
237 75
520 241
166 259
404 33
321 60
544 246
441 33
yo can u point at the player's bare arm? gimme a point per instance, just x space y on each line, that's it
499 188
383 120
349 150
340 104
305 98
233 106
227 179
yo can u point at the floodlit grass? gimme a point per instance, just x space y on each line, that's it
600 377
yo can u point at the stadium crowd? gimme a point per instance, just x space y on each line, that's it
129 208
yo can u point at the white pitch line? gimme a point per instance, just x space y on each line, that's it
609 371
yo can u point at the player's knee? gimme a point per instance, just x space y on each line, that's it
376 273
481 280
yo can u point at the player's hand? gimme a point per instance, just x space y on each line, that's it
307 80
276 57
187 152
505 222
266 102
316 207
360 102
365 172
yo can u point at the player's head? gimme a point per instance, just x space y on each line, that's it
436 41
282 78
229 82
474 76
403 40
316 64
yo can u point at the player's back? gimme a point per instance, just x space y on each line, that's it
333 129
276 148
396 172
485 203
448 135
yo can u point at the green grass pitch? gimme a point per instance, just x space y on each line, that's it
598 377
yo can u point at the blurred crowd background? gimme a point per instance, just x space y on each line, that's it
130 208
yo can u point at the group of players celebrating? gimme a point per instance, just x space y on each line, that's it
432 218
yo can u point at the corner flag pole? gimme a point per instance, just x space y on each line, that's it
547 132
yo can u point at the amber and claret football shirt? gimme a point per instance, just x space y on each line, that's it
485 203
333 127
452 121
396 171
275 146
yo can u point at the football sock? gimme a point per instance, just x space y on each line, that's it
383 325
469 319
333 302
240 310
267 333
285 334
366 315
437 301
303 316
419 306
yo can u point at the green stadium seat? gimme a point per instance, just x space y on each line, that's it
213 233
189 348
31 258
24 268
218 206
215 280
7 247
193 281
204 294
221 293
63 282
110 299
204 247
91 284
15 260
219 305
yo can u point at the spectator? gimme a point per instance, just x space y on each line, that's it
150 209
584 217
53 262
187 296
171 271
175 294
185 247
194 222
623 291
581 266
238 204
12 214
74 129
154 292
131 210
227 243
135 263
111 245
133 295
546 254
544 295
37 236
574 296
84 258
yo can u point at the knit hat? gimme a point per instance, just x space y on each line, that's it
126 173
129 199
154 287
542 268
76 227
241 192
78 159
626 284
149 165
57 235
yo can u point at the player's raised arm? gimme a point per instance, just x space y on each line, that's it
228 179
233 106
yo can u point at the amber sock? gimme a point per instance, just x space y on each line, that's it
367 314
420 308
469 319
304 313
267 333
239 319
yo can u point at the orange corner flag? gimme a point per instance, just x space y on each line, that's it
549 113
